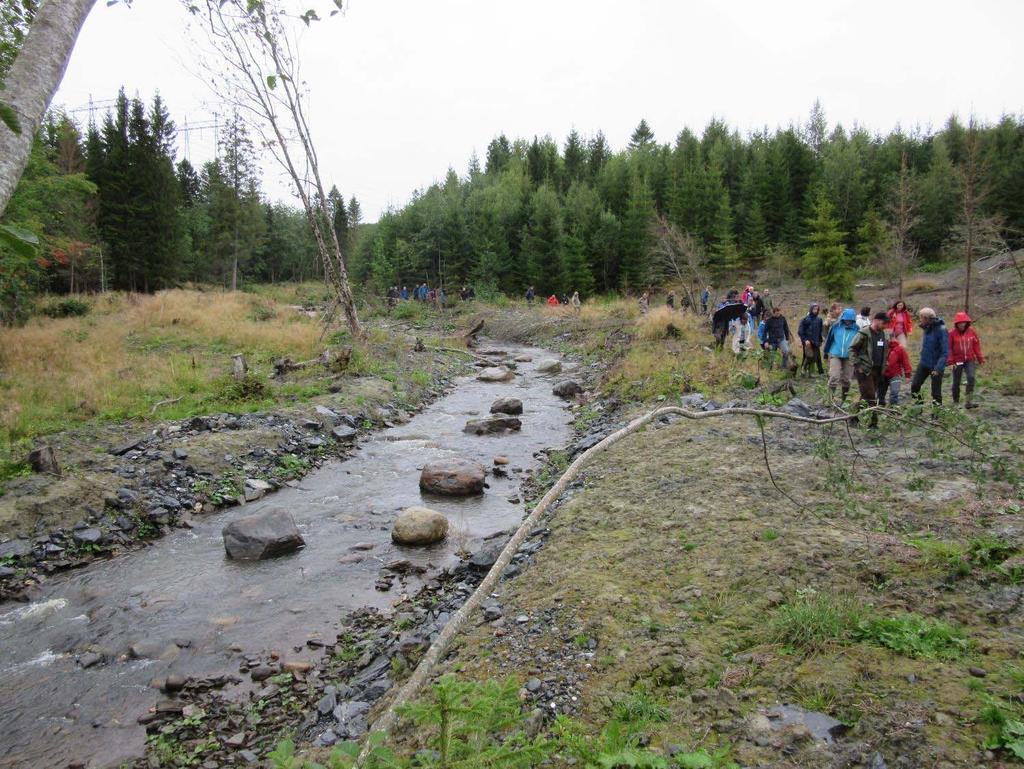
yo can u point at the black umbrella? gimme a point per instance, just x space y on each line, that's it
726 314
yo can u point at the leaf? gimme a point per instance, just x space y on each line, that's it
21 241
9 117
271 82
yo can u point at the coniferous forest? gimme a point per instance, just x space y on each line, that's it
118 209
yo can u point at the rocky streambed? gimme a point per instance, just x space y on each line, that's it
157 635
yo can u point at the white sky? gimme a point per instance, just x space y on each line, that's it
403 89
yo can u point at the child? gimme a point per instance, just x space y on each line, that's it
964 356
897 367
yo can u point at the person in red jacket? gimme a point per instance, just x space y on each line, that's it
897 368
553 301
899 322
964 356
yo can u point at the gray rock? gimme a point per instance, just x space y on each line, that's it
533 685
264 535
351 718
549 366
344 433
6 572
453 477
44 460
89 536
90 659
495 374
419 526
569 388
327 415
179 454
507 405
798 408
492 612
484 558
492 425
692 401
327 703
127 495
124 448
16 548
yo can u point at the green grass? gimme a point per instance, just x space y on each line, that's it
816 622
913 636
640 707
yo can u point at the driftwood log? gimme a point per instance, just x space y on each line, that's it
332 361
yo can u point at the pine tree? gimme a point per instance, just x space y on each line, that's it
597 154
339 217
723 257
872 240
826 263
937 192
575 156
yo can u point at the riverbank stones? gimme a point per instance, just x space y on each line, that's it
507 405
494 424
549 366
495 374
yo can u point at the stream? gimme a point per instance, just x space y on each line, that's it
199 612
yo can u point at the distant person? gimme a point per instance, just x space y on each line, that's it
870 351
748 295
758 306
392 296
405 293
575 302
897 368
644 302
964 356
837 351
834 311
670 300
740 329
553 301
767 300
934 354
530 296
705 297
442 300
810 331
899 322
864 317
777 336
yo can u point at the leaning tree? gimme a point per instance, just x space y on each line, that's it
253 64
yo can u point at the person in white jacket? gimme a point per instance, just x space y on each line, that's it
742 334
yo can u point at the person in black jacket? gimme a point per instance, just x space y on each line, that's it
777 336
810 332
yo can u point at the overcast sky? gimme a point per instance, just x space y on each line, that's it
403 89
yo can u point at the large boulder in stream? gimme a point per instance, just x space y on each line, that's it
495 374
419 526
453 477
507 405
495 424
549 366
263 535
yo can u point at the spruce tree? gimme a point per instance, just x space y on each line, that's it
575 158
723 257
543 242
642 137
826 262
576 274
636 235
339 217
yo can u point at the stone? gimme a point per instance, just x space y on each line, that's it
235 740
533 685
179 454
264 535
452 477
256 488
495 374
89 536
6 572
492 612
327 415
297 666
174 683
262 672
484 558
507 405
977 672
124 448
501 461
44 460
419 526
798 408
351 718
570 388
492 425
90 659
549 366
327 703
344 433
16 548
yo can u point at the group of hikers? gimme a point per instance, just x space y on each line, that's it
423 293
556 301
869 348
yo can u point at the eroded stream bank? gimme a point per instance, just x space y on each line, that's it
77 663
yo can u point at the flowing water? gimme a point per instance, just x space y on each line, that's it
184 599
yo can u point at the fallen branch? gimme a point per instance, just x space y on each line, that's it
471 354
167 402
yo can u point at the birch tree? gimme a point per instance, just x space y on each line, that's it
31 83
255 67
902 251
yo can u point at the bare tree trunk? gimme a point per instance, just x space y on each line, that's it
32 81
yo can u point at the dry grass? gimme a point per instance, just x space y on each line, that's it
919 286
1004 351
132 351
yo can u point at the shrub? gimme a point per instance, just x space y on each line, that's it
66 308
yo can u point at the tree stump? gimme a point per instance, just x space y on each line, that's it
239 365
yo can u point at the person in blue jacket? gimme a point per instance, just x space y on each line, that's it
934 351
810 332
837 351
